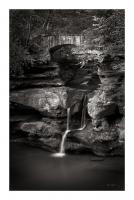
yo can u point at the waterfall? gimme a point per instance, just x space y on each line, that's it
83 115
61 152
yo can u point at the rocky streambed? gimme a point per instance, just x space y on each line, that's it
39 102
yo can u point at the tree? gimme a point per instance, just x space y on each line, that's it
107 33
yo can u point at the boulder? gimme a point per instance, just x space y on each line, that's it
50 102
100 106
101 142
110 95
106 109
46 128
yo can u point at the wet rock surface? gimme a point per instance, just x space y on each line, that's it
106 107
51 102
39 102
48 135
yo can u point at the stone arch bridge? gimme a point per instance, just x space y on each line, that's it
45 43
54 40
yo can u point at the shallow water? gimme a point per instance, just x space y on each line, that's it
35 169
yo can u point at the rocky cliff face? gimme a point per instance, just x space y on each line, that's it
50 102
106 107
50 89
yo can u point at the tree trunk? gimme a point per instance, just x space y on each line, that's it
29 32
45 25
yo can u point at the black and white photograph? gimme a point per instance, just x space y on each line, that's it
67 99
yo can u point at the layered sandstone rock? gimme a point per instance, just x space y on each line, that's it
51 102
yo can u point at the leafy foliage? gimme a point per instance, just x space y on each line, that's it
107 33
103 30
24 25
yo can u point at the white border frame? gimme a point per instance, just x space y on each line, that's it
4 98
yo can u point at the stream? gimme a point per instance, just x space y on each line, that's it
35 169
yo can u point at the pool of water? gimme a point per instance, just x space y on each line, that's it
35 169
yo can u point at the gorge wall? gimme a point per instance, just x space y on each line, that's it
53 88
40 98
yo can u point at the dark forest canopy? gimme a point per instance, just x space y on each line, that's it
103 28
57 21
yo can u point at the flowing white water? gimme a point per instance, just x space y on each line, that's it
61 153
62 150
83 116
